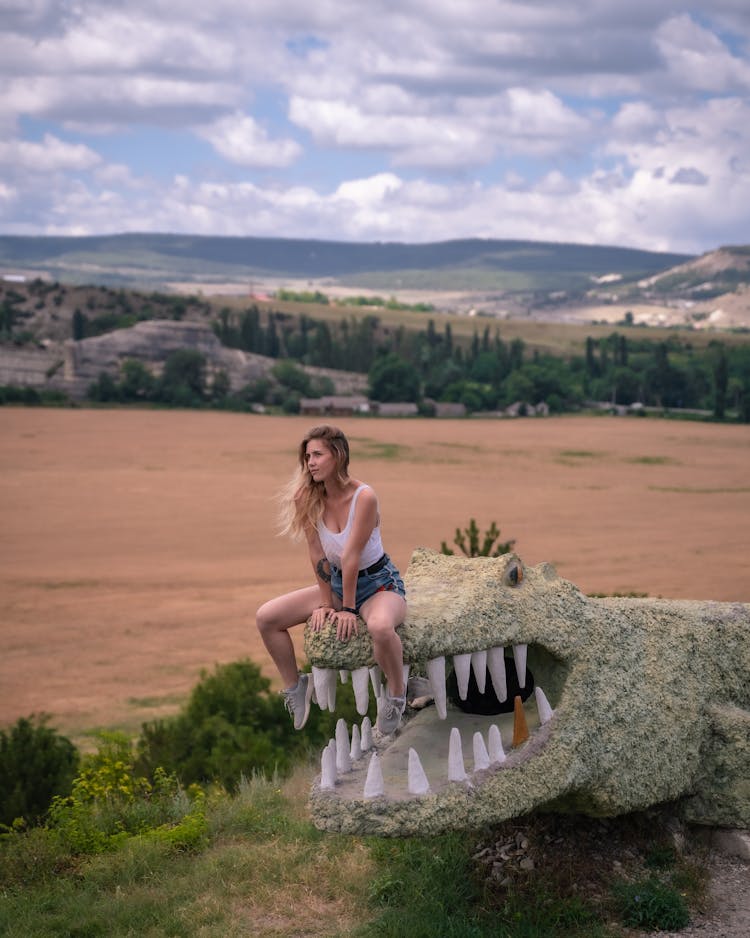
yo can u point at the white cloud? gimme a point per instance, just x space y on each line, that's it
697 58
367 192
52 155
418 119
240 139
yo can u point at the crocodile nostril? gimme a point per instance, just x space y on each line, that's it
515 575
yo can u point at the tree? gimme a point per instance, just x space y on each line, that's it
393 379
721 377
79 325
36 763
104 389
183 379
137 383
221 386
250 329
292 377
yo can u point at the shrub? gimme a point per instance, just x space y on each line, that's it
36 763
468 541
292 377
110 803
183 381
104 389
234 726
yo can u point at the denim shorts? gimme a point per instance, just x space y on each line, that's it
386 579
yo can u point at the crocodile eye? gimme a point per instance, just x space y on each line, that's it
515 574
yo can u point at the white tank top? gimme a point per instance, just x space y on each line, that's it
333 542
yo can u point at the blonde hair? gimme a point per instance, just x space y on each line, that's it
302 499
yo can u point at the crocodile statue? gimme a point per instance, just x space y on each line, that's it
636 702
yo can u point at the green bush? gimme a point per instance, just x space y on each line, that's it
183 381
291 376
36 763
109 803
234 726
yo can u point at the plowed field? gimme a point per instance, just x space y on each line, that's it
136 545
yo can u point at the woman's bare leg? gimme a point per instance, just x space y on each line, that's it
275 618
382 613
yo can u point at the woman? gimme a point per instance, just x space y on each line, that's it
339 518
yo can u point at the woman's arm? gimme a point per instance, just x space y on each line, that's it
322 572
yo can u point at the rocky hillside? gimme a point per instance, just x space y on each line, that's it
59 337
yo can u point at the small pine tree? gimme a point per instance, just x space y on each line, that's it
469 542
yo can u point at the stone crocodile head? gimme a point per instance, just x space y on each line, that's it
637 691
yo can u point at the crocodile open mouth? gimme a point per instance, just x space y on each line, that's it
491 738
469 715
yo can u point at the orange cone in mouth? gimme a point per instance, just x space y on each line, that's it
520 729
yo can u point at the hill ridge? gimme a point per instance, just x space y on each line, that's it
146 255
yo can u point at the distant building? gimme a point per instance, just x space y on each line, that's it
334 406
449 409
397 409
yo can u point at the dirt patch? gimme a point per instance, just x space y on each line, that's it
137 544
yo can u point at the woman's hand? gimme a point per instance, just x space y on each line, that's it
346 624
320 616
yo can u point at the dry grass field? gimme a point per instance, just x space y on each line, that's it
137 544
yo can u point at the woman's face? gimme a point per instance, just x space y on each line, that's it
321 463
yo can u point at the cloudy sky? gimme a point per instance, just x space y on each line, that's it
598 121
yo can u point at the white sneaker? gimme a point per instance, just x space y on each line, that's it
297 700
390 711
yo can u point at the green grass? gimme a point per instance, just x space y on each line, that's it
156 701
653 460
263 869
576 457
369 448
68 584
579 454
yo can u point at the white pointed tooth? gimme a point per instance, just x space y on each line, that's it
543 707
481 756
343 759
462 667
496 665
497 753
366 735
361 685
332 691
356 748
344 675
320 681
374 786
519 656
418 783
407 667
328 768
375 677
456 769
436 674
479 667
331 747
